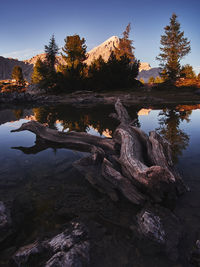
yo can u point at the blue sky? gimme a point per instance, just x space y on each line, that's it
27 25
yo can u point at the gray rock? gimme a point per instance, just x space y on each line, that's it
23 255
5 222
160 226
77 256
195 254
69 248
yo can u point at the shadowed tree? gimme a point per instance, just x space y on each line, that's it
39 72
18 75
44 73
51 51
73 73
174 46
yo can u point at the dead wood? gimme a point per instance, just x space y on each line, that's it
136 165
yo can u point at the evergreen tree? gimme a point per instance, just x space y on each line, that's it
174 47
39 72
187 72
158 80
75 51
18 75
151 79
142 80
44 72
198 76
72 75
125 45
51 51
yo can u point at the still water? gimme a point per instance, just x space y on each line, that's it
48 191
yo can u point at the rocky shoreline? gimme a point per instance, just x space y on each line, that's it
90 99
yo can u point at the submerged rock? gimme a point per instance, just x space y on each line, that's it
69 248
162 227
77 256
195 255
5 222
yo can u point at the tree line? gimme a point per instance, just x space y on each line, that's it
119 71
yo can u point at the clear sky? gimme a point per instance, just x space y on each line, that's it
27 25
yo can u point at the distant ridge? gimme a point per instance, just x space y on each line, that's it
146 74
7 65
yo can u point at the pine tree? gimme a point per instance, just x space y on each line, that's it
75 51
151 79
47 68
125 45
187 72
18 75
174 46
39 72
158 80
51 51
142 80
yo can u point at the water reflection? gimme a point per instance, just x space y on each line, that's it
97 121
169 121
44 180
66 118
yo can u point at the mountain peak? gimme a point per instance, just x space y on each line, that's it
103 49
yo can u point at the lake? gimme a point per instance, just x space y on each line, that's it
45 190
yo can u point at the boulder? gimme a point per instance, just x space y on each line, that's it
5 222
67 249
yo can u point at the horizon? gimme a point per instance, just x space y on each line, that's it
96 22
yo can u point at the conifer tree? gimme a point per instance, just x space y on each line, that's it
75 51
18 75
174 46
158 80
187 72
51 51
44 72
151 79
125 45
142 80
38 74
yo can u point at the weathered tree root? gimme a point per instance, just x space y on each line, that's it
133 163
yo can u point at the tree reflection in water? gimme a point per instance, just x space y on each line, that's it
169 120
80 119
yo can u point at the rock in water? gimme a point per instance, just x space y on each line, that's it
5 222
162 227
67 249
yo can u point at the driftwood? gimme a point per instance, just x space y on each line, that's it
132 163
